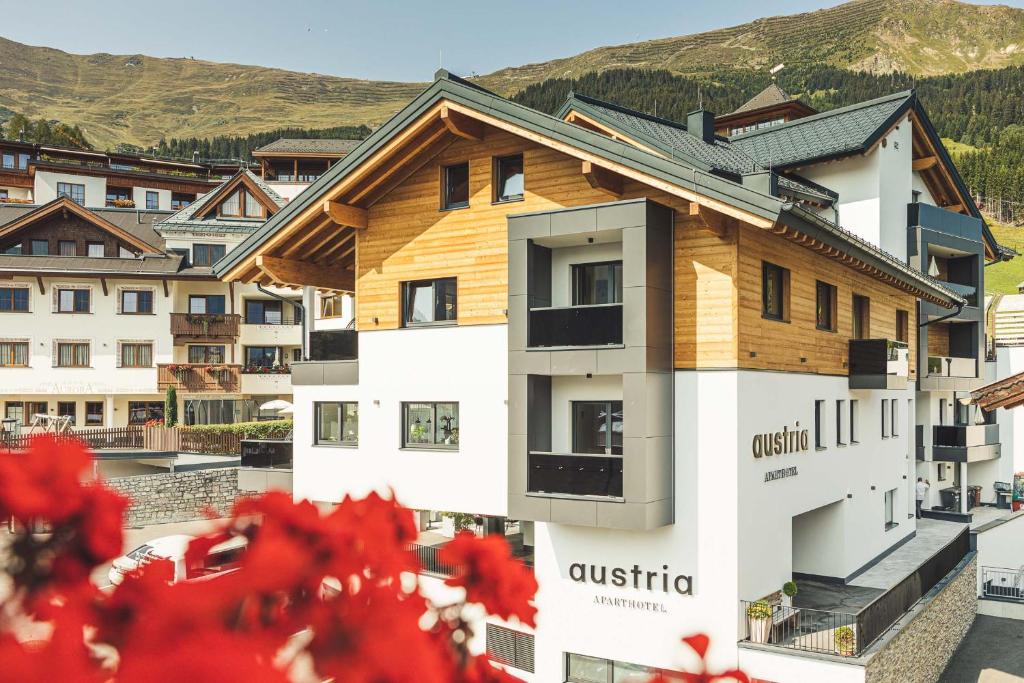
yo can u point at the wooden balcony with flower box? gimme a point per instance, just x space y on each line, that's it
190 328
199 378
266 380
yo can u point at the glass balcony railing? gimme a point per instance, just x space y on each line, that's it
878 363
596 325
574 475
951 366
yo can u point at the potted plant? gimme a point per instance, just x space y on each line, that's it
454 522
845 641
788 591
759 616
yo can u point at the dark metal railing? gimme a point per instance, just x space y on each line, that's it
799 628
878 357
599 325
1002 583
266 453
429 564
575 475
957 435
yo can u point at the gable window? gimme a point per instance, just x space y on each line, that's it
74 191
96 250
430 425
597 283
137 355
508 178
337 424
152 200
455 186
206 303
93 413
14 299
135 302
207 254
597 427
13 249
861 316
774 291
73 300
825 310
903 326
72 354
428 301
23 160
205 355
124 253
241 203
40 247
8 160
68 409
13 354
67 248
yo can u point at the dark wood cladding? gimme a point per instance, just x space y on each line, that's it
70 228
198 378
204 326
15 178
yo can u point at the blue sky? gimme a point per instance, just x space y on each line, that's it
381 40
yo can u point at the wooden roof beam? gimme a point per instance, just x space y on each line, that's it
464 126
346 214
955 208
303 273
711 220
924 163
602 179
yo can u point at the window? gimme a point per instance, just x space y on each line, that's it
431 425
259 312
180 200
135 302
239 204
774 286
4 194
117 194
8 160
597 427
509 647
96 250
206 303
73 300
68 409
885 418
840 416
23 160
332 306
861 317
508 178
67 248
15 410
253 209
137 355
13 354
854 408
14 299
261 356
93 413
890 506
141 412
207 254
455 186
152 200
895 421
206 354
597 283
13 249
428 301
819 424
337 423
825 312
584 669
72 354
73 190
903 326
941 471
39 247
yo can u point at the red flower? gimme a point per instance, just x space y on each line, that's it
491 576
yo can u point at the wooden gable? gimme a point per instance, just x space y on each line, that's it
241 181
66 208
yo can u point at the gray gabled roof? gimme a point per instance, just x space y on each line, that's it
771 95
299 146
674 171
185 220
137 222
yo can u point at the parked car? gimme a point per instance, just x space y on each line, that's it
221 557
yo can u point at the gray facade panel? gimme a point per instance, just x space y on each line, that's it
319 373
576 512
573 222
529 226
622 215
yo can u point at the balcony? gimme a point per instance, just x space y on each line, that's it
568 326
258 380
574 475
195 378
272 331
333 359
950 373
965 443
879 364
197 327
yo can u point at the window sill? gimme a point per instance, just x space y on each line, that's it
825 329
430 449
774 320
73 312
445 209
440 323
15 311
349 446
130 313
821 448
510 200
891 525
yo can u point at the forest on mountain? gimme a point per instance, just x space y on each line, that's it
43 132
241 146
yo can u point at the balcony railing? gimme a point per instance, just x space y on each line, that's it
598 325
288 319
204 325
325 345
574 475
951 366
267 453
965 436
879 364
199 378
1002 583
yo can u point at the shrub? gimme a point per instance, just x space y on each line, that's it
844 639
460 520
759 610
171 407
272 429
789 588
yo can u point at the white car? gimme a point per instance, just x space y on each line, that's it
221 557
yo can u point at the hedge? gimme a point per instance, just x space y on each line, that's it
274 429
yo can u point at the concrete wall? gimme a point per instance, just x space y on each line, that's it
177 496
999 544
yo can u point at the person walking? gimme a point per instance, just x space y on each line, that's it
922 489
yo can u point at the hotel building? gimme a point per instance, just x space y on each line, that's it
691 367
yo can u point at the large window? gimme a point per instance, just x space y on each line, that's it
137 355
152 200
825 309
74 191
261 356
597 283
206 303
430 425
15 410
14 299
72 354
337 424
508 178
13 354
455 186
861 317
205 354
68 409
597 427
93 413
73 300
267 312
429 301
207 254
8 158
774 286
141 412
584 669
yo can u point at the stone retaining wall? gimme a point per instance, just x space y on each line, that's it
177 496
930 633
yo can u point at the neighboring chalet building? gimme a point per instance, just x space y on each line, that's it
689 378
289 165
101 309
770 107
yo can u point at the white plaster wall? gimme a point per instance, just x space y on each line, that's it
287 191
163 199
565 390
17 192
1000 546
466 364
45 187
564 258
856 180
792 667
348 310
895 181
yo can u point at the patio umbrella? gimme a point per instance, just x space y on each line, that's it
286 411
277 404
